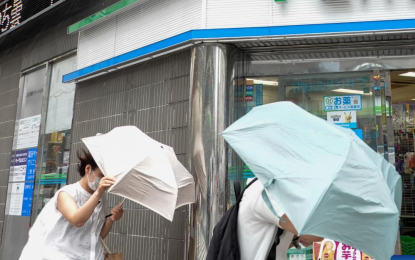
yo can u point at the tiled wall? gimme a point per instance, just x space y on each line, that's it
31 44
154 97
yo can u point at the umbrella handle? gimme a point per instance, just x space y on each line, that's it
296 244
122 202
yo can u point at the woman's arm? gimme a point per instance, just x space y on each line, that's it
79 216
117 213
106 228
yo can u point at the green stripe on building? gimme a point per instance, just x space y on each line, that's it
100 15
53 176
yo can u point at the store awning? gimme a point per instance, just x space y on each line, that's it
322 41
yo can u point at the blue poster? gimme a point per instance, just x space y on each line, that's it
31 164
27 199
259 94
358 132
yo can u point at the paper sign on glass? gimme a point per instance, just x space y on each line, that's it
345 119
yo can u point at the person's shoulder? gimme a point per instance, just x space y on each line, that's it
71 189
254 190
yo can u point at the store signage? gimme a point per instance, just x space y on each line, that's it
342 103
31 164
18 166
28 133
329 85
27 199
21 199
23 165
345 119
331 250
259 94
249 93
16 198
254 96
15 12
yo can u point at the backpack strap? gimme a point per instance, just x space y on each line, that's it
237 189
239 198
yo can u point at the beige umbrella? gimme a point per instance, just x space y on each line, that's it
146 171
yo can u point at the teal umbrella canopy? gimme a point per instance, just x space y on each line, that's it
320 176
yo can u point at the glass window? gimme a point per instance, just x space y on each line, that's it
55 146
33 93
309 91
23 162
252 91
351 94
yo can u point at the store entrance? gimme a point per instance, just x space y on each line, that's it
346 98
403 118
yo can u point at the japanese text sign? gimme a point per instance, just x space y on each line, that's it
341 103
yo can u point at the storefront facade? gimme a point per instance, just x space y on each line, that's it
245 54
183 78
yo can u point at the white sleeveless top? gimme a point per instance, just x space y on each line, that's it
52 237
257 226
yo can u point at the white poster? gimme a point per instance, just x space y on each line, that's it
345 119
16 199
17 173
66 157
28 134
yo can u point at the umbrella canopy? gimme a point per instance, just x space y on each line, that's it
327 185
146 171
392 177
184 180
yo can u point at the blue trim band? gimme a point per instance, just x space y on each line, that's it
289 30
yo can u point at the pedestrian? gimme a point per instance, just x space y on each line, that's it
258 226
73 221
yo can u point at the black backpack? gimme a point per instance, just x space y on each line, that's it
224 244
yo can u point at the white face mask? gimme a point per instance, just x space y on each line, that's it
95 183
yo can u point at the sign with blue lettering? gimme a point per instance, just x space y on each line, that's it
259 94
27 199
345 119
31 164
342 103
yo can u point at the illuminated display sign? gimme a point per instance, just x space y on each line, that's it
15 12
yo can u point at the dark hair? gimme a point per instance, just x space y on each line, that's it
85 159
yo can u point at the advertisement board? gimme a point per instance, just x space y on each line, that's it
332 250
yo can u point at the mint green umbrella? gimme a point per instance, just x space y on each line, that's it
319 175
392 177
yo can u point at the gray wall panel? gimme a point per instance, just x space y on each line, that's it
4 177
6 144
154 97
9 98
8 114
9 83
7 128
10 68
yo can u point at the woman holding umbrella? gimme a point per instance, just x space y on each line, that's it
72 223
